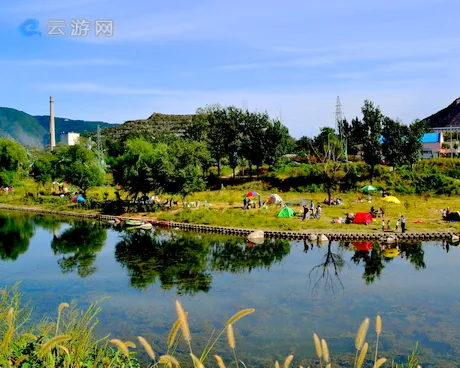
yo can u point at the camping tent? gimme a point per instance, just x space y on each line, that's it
286 212
453 217
362 218
363 246
80 199
274 198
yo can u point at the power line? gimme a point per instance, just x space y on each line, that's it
339 119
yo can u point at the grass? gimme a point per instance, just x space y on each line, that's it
70 342
226 209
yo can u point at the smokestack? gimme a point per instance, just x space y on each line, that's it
52 126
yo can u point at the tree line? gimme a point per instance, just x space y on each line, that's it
179 165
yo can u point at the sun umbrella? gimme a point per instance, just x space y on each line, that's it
390 253
391 199
363 246
369 188
55 183
274 198
251 194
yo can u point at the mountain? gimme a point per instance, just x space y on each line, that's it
155 123
33 131
449 116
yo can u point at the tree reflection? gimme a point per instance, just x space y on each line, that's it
328 272
178 260
79 246
15 235
185 261
374 259
48 222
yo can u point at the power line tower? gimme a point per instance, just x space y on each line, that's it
339 127
245 105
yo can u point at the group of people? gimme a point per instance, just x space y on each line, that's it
334 201
377 213
400 222
311 211
445 212
248 203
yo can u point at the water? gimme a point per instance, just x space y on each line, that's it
328 290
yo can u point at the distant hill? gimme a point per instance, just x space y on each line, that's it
449 116
155 123
33 131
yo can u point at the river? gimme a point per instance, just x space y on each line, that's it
296 288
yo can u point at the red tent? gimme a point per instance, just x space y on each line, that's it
364 246
362 218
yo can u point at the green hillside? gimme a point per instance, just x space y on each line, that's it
33 131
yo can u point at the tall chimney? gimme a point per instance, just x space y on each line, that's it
52 126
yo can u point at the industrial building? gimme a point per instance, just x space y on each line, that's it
69 138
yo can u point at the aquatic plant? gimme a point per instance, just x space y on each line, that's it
70 342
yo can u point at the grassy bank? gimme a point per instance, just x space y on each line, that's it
69 341
423 212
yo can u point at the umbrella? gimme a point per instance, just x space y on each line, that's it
251 194
274 198
55 183
391 199
363 246
369 188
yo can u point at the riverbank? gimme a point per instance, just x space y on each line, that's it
312 235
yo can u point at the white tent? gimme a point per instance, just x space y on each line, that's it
274 198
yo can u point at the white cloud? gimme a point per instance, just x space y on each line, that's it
107 90
62 62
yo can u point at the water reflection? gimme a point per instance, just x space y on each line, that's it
185 261
79 246
16 233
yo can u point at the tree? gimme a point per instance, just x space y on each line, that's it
278 142
79 166
372 124
17 231
413 147
13 161
328 150
394 140
44 168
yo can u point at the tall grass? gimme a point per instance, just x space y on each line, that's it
70 342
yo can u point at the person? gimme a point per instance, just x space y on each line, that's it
305 212
260 202
403 224
383 225
369 198
312 206
397 224
245 204
388 225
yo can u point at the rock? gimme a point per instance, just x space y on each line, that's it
256 235
322 238
390 239
312 237
146 226
111 221
455 238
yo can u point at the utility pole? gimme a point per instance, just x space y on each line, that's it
100 150
339 127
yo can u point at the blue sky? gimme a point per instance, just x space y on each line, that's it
291 58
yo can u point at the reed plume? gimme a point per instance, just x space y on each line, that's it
173 333
51 343
362 355
231 337
9 318
378 330
18 361
361 337
147 347
121 346
239 315
60 309
183 322
196 362
317 341
169 359
288 361
380 362
220 362
329 365
277 365
325 351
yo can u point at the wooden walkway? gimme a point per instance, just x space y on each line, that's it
289 235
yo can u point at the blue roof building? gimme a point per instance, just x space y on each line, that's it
431 138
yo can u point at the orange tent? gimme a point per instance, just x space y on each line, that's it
364 246
362 218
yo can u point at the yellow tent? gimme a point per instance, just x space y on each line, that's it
391 199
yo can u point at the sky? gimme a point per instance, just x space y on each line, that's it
291 58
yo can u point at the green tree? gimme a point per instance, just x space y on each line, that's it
413 147
372 124
79 166
44 168
394 141
278 142
13 162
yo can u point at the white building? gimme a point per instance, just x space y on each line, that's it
70 138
